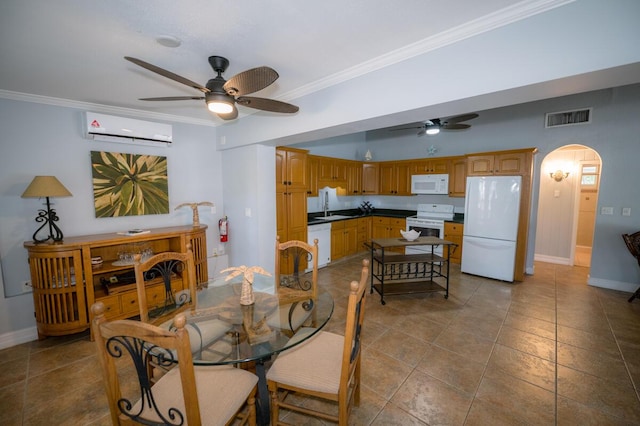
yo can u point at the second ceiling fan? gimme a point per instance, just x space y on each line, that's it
433 126
222 95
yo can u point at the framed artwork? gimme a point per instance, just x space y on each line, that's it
129 184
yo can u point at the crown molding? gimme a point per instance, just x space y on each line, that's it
26 97
501 18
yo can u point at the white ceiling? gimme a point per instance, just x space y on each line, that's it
73 49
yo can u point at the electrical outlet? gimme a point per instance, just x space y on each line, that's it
626 211
606 210
26 287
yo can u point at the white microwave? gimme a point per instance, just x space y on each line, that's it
430 184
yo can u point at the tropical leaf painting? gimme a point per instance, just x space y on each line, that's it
129 184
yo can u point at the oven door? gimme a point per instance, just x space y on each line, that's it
431 230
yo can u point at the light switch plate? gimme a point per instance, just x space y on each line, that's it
626 211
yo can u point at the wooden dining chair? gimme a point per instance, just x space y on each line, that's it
633 245
166 285
200 395
298 289
326 366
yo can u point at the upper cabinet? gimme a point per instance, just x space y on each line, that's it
332 172
291 169
430 166
395 178
354 177
370 178
457 177
499 163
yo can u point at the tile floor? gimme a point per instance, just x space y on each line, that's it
550 350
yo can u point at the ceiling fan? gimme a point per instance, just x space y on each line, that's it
433 126
221 95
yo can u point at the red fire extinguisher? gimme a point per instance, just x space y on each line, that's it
223 227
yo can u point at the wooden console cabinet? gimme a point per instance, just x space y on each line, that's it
65 284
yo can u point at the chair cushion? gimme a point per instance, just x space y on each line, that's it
221 392
314 365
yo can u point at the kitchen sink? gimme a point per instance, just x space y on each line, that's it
333 217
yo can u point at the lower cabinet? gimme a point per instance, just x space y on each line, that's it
65 283
388 227
344 238
453 232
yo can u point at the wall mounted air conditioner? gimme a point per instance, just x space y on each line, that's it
109 128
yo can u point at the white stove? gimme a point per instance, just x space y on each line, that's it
429 220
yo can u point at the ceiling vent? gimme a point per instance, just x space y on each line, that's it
567 118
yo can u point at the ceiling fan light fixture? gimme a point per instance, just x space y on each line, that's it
219 103
433 130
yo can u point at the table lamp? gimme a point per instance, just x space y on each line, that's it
47 186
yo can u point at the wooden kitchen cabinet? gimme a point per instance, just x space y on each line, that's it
453 232
332 172
291 169
66 284
457 177
388 227
312 176
430 166
370 178
364 232
291 199
354 177
506 163
344 238
395 178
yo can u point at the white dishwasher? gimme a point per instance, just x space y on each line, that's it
322 232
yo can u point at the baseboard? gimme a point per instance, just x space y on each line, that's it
612 285
18 337
552 259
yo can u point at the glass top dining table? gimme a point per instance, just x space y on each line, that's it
222 331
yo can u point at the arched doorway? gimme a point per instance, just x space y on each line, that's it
567 204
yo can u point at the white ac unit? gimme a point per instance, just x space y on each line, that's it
109 128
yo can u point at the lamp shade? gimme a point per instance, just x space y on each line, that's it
45 186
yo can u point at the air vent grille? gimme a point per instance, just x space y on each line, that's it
568 118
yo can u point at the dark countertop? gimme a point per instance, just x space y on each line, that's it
313 218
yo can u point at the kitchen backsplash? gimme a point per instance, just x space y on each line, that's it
315 204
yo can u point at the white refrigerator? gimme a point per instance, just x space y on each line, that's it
492 207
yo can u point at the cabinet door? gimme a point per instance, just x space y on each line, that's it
458 177
312 174
387 184
297 213
281 216
395 225
297 170
379 227
354 178
480 165
453 232
439 166
58 292
510 164
403 179
281 170
370 178
337 240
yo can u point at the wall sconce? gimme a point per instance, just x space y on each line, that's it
47 186
559 175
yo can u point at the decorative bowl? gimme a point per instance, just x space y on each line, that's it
410 235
